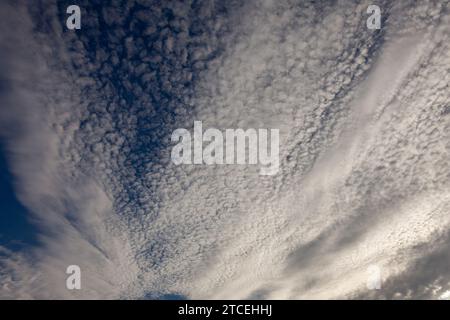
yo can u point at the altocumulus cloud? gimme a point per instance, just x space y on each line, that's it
86 117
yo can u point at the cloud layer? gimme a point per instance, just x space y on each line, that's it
364 147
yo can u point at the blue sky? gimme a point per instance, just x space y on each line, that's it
16 230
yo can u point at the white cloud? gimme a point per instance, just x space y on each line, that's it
363 146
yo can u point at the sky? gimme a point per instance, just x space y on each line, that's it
86 176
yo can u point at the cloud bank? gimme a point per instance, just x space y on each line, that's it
87 116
